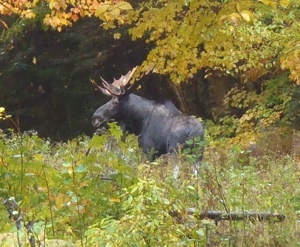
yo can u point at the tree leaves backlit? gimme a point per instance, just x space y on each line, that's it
239 38
60 13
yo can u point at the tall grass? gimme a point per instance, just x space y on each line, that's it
102 192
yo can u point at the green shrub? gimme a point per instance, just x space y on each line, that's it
101 191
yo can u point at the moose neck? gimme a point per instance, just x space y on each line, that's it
135 111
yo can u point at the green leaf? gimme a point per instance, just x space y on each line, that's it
189 142
190 187
97 141
80 168
66 164
197 139
200 232
115 130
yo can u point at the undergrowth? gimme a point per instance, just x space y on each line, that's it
101 191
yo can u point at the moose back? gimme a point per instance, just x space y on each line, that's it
160 126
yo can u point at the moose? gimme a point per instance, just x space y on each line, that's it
160 126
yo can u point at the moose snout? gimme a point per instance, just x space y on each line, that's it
96 121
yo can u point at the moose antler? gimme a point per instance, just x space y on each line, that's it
118 87
100 89
124 80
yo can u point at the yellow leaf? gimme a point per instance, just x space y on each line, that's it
114 13
115 200
38 157
35 2
107 17
123 5
117 36
273 5
247 15
235 15
121 20
70 170
235 18
238 6
28 14
266 2
52 4
222 19
101 10
284 3
34 60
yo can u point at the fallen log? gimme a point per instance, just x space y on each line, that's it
238 216
232 216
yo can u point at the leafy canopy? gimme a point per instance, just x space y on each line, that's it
243 39
59 13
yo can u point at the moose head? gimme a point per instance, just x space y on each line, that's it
117 90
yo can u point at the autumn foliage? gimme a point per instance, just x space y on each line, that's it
60 13
235 53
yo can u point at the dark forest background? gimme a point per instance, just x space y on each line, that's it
232 64
54 95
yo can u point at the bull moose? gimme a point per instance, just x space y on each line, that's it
160 126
